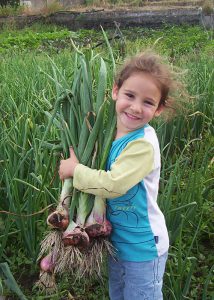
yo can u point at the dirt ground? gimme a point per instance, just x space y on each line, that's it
146 6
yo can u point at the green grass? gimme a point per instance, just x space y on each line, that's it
28 173
36 37
171 40
11 11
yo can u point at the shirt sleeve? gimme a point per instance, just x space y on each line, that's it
134 163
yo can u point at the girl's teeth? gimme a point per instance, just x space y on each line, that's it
131 116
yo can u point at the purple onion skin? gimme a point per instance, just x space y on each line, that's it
96 229
47 264
58 220
77 237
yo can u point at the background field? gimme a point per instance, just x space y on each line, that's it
36 66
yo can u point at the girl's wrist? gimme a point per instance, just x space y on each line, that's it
74 167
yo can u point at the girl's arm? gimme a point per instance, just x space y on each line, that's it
134 163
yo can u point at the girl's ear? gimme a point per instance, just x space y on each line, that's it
159 110
114 92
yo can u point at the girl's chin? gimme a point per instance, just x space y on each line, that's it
129 128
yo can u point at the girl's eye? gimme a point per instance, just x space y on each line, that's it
129 95
149 102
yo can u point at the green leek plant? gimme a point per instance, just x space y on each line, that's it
9 280
24 192
186 182
88 125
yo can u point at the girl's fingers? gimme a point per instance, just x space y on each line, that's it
71 151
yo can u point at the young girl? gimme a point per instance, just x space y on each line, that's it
130 182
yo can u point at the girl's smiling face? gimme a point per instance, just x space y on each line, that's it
137 102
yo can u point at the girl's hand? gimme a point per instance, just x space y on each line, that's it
67 166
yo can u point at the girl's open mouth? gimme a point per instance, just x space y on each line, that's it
131 116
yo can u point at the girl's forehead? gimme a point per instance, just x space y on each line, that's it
142 83
142 78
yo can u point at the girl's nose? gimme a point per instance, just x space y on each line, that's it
136 107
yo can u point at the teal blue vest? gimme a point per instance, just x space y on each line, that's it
131 236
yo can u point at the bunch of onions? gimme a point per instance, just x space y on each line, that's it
79 230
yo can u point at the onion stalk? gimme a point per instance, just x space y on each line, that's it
80 219
97 224
75 236
75 233
60 217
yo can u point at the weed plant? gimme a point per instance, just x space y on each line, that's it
11 10
29 85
